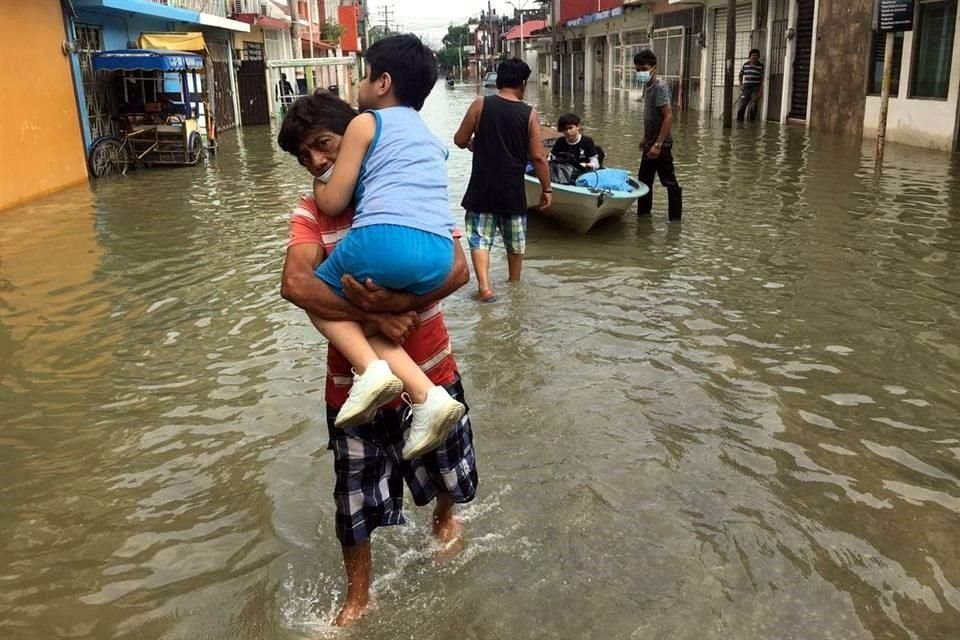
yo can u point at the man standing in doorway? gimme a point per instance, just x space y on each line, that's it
751 85
657 143
504 134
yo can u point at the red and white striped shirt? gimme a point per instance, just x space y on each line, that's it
429 345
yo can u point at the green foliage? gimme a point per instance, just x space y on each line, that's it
457 34
331 31
376 32
448 58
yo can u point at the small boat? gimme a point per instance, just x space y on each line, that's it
451 82
579 208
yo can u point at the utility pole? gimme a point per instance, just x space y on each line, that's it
728 68
885 95
492 48
386 13
523 53
553 41
295 28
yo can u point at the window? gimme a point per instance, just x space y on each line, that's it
633 43
933 43
875 82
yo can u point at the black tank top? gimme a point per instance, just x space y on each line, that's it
500 147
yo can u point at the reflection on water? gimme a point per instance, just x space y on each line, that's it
741 427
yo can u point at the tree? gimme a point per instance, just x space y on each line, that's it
331 31
377 32
448 58
457 35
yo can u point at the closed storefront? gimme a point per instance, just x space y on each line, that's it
718 62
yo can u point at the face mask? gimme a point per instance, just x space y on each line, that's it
325 177
643 77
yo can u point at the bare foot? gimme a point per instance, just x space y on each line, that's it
449 533
351 612
486 295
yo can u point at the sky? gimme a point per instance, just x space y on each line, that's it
430 18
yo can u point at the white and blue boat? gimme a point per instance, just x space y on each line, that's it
580 208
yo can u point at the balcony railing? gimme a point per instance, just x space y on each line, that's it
213 7
249 6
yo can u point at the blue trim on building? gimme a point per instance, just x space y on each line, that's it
77 75
143 8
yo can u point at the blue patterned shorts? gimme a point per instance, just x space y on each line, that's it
371 472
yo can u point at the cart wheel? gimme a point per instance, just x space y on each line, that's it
196 147
108 157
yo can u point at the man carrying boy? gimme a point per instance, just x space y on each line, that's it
657 144
370 470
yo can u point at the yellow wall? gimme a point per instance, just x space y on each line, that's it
41 146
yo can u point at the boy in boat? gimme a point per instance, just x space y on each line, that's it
401 237
574 144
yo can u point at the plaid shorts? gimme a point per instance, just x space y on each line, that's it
371 472
482 228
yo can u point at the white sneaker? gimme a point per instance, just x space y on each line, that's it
370 391
432 422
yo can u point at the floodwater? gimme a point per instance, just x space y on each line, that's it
745 426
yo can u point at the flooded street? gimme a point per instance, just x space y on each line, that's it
742 427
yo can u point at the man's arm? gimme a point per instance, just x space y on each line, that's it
300 285
590 151
371 297
667 112
539 160
468 125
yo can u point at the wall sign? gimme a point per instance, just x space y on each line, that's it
894 15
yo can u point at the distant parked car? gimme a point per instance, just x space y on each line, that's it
490 80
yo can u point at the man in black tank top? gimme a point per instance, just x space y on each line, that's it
504 134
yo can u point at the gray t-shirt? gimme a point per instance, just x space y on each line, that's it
655 97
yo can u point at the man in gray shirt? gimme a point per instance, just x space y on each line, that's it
657 144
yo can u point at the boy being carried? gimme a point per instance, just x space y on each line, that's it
393 169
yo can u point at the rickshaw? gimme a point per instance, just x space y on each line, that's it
157 111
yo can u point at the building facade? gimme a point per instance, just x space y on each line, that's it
104 25
823 60
41 137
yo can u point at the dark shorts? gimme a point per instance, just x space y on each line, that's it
371 472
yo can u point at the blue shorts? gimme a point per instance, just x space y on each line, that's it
395 257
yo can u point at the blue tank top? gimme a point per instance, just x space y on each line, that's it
403 179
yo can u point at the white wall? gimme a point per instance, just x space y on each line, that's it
923 122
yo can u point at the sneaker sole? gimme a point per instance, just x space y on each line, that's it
385 394
441 430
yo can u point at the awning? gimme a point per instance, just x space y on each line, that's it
146 60
163 11
189 41
141 7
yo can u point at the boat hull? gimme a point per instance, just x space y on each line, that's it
578 208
